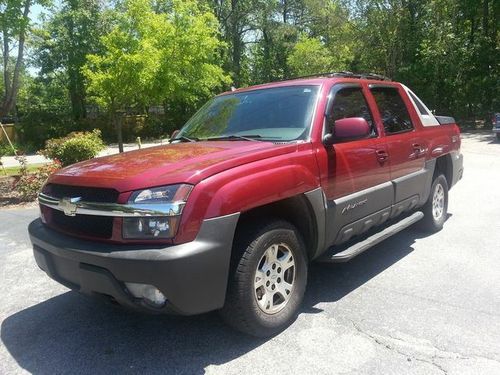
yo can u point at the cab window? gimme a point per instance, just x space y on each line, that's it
392 109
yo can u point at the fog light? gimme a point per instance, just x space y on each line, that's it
147 292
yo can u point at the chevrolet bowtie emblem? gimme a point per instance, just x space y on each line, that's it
68 205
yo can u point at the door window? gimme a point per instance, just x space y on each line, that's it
392 109
350 102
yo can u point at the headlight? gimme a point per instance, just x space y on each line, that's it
169 199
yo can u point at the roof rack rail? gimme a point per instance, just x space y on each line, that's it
374 76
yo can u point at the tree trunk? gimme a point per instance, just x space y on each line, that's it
236 42
285 11
76 94
11 89
76 85
119 132
236 57
117 124
6 74
486 18
267 55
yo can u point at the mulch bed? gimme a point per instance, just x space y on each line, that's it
8 197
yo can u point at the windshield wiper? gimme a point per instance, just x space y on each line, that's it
184 138
250 137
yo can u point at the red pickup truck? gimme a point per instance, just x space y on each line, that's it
257 184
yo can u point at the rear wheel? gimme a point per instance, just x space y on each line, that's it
436 207
268 279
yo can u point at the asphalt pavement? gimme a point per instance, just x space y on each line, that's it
415 304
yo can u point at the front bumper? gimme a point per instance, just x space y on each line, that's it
193 276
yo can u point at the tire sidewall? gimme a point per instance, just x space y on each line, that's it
268 324
439 180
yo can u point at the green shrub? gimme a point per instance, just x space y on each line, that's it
4 149
75 147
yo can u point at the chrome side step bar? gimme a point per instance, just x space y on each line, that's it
362 246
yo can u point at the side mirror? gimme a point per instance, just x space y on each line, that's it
174 134
348 129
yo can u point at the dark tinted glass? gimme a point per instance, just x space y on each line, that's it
393 110
350 102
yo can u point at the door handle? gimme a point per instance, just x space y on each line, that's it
419 150
382 155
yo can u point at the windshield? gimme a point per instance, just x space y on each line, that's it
276 114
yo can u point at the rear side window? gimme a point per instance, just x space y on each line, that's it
392 109
350 102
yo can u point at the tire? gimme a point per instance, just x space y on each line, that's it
498 136
255 270
436 208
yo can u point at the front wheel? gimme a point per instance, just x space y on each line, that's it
268 279
436 207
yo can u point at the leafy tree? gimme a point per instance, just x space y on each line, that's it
63 42
14 27
44 110
236 22
130 54
154 55
310 56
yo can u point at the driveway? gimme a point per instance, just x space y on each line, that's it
414 304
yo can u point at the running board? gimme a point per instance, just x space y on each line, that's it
362 246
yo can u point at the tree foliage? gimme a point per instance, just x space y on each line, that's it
151 56
14 25
310 56
129 55
63 42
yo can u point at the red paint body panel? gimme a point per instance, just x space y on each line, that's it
351 128
350 167
236 176
163 165
249 186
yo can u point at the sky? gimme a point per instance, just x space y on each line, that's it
35 12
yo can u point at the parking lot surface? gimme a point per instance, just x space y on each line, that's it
414 304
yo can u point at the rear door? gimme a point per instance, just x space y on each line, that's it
406 146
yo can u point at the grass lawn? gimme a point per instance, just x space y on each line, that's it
13 171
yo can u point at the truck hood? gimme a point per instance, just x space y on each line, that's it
167 164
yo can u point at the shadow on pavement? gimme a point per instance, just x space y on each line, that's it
481 136
330 282
73 334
